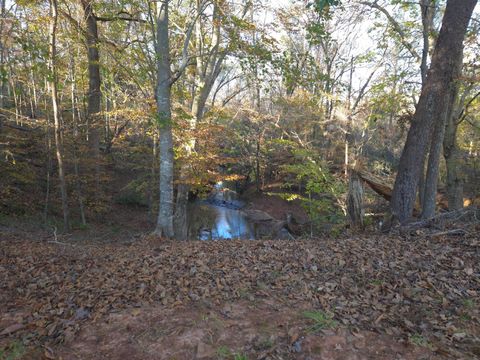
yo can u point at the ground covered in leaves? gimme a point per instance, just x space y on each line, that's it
369 297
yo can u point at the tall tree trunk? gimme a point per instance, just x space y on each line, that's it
78 186
34 99
75 120
431 105
452 156
20 100
348 127
48 147
94 91
421 183
56 112
431 180
73 95
3 75
164 118
153 173
451 151
258 177
13 86
427 7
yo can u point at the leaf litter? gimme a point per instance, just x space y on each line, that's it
415 290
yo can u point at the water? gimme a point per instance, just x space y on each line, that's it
212 222
219 217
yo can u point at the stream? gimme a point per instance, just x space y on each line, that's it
219 217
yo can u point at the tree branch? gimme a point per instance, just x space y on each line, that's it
396 26
119 18
464 112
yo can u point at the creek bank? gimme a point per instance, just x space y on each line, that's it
224 214
268 227
270 208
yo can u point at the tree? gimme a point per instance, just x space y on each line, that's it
56 111
164 119
2 58
94 97
451 152
432 105
431 179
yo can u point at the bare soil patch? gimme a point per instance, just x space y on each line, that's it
261 329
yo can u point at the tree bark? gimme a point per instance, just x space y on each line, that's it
56 112
3 81
78 186
431 105
152 178
431 180
429 200
94 92
427 7
355 208
452 156
451 152
164 118
421 184
15 97
48 147
75 120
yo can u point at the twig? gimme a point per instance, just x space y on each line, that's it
451 216
458 232
55 241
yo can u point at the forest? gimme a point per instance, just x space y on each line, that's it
248 179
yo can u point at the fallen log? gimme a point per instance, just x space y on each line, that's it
377 184
383 187
19 127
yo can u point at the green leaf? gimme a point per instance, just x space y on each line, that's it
321 5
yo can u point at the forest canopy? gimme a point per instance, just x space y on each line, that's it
311 101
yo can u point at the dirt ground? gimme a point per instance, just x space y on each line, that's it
259 329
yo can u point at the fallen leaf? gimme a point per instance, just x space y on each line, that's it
11 329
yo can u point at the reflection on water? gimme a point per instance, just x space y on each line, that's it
212 222
219 217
